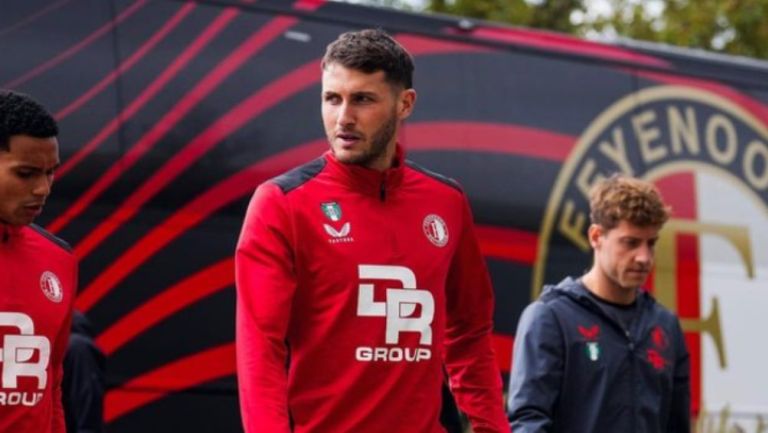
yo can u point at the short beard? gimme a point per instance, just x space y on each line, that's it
379 142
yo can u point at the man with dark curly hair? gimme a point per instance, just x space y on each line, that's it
597 353
38 272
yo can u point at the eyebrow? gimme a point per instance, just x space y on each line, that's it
37 168
636 238
358 93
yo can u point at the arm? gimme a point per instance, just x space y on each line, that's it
469 359
680 412
537 371
265 283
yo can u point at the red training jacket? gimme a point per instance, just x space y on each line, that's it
38 279
356 291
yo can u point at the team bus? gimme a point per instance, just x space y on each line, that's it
172 112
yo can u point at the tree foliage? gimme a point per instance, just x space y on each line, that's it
730 26
547 14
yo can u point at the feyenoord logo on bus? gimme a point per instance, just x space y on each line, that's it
51 286
709 158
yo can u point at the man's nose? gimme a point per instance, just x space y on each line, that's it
644 254
346 115
43 186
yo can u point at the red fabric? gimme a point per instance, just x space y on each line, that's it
29 321
307 333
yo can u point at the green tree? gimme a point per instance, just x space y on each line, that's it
730 26
546 14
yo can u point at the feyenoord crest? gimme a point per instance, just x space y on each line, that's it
435 230
332 210
707 153
51 286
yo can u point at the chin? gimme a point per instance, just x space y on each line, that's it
632 285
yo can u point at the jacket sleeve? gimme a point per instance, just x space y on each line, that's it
680 412
266 282
537 370
474 377
83 385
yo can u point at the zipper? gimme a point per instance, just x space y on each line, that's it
383 188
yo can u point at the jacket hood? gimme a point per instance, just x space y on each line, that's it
81 325
575 289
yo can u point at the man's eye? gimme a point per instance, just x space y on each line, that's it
24 174
631 243
333 99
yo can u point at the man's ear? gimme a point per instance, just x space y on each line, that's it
405 103
595 234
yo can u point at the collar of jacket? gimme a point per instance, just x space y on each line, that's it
366 180
575 289
7 232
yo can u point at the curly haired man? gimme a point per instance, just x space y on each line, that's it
598 353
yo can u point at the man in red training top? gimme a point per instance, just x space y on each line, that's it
360 283
38 273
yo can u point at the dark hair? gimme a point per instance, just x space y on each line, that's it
370 51
22 115
625 198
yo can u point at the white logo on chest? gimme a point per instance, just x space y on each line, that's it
399 309
18 359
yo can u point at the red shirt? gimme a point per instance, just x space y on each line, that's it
38 278
356 289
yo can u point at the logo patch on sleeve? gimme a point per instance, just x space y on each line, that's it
436 230
51 286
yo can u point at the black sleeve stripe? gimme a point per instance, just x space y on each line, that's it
437 176
56 240
300 175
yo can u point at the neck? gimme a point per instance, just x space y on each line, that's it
386 161
602 287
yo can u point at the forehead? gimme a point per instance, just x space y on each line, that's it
627 229
30 151
340 79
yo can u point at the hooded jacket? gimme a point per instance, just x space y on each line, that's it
578 370
84 385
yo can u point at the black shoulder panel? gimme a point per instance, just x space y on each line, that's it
437 176
56 240
300 175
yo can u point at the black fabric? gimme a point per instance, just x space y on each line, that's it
449 413
83 385
56 240
444 179
624 314
300 175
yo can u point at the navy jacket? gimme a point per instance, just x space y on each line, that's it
83 385
577 370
